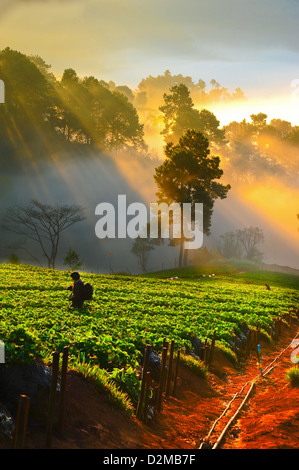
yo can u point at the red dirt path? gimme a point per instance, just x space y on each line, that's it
270 420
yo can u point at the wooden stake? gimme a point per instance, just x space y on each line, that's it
63 387
176 371
143 380
248 340
162 376
212 347
166 345
147 392
21 422
169 368
55 368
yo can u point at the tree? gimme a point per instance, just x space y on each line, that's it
125 90
249 238
208 124
75 121
230 245
293 136
180 115
29 111
257 149
94 112
43 224
121 124
282 127
72 260
14 259
141 248
43 67
154 87
188 175
259 120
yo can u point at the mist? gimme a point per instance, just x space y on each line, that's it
74 157
86 182
89 180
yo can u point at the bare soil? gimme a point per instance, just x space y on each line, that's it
269 420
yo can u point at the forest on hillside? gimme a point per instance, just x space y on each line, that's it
51 127
44 114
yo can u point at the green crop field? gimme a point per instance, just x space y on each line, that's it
129 312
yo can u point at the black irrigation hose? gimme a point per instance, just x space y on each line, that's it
266 371
252 387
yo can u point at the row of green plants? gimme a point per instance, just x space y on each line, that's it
127 313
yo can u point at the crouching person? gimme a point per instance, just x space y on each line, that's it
77 288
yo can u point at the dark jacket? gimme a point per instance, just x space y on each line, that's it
77 297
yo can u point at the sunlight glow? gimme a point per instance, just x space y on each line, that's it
278 206
278 107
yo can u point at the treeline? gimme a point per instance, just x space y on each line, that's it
151 89
43 114
257 149
248 150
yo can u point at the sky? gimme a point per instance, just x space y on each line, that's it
248 44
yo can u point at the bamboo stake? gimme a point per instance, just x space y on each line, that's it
21 422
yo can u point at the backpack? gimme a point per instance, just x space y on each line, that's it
87 291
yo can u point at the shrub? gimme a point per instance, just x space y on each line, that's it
292 375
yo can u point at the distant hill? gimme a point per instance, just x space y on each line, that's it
281 269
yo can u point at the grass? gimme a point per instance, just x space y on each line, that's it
292 375
236 271
198 367
102 380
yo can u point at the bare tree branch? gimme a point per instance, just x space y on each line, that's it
43 223
249 238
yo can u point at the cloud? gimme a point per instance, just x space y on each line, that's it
193 26
105 36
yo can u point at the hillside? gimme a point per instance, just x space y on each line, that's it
106 341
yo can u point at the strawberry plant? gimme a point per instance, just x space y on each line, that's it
129 312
